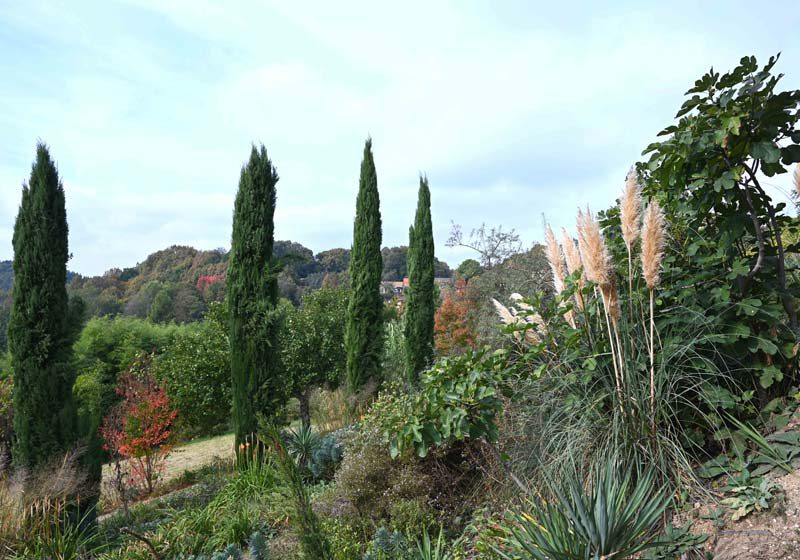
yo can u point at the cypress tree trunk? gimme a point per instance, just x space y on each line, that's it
364 328
420 294
252 298
39 332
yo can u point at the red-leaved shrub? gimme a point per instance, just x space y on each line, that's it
139 428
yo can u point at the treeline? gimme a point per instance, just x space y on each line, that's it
179 283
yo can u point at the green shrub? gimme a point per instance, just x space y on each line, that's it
195 367
458 399
411 516
344 539
369 481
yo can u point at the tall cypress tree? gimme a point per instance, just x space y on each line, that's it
252 298
364 328
40 334
420 294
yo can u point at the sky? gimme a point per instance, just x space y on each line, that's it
514 110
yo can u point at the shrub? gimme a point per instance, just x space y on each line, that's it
458 399
139 428
195 369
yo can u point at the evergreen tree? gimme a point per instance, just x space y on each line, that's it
252 298
364 328
40 333
420 305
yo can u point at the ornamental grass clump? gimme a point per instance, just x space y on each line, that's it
597 264
653 233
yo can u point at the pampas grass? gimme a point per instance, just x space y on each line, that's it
509 316
630 209
573 259
653 233
556 260
597 265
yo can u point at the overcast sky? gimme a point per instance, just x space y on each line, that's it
513 109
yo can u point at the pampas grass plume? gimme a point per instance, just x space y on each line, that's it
630 209
653 235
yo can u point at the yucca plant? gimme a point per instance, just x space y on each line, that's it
615 516
301 444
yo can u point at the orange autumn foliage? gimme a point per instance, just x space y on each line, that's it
454 326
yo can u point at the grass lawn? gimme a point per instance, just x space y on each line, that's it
188 457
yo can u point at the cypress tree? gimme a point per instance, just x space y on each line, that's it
252 298
364 327
40 333
420 294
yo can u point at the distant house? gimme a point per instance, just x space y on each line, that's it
397 289
390 289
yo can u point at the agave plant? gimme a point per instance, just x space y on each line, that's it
615 517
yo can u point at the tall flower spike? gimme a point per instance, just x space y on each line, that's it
555 258
594 253
653 234
573 258
630 209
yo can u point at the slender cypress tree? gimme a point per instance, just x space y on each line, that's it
420 294
40 334
252 298
364 328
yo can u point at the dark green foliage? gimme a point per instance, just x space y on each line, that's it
615 517
40 335
420 296
196 369
364 331
730 241
252 298
312 345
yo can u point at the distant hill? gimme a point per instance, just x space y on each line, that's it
178 283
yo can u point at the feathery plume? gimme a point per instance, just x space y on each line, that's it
653 233
555 258
506 317
509 316
573 258
630 208
796 178
594 253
